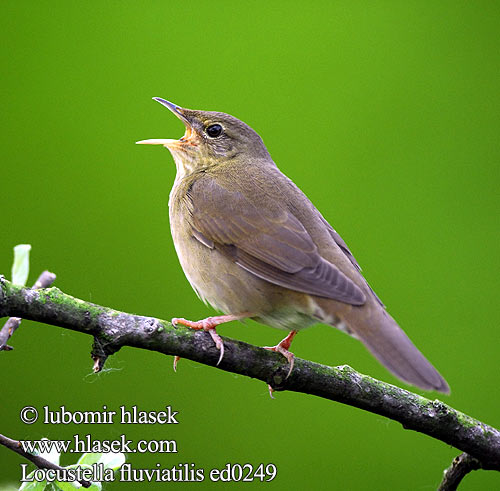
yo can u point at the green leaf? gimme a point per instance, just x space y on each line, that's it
21 266
89 458
10 487
68 486
52 456
33 486
71 486
112 460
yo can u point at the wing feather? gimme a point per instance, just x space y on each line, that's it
269 242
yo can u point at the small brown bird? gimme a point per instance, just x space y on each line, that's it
254 246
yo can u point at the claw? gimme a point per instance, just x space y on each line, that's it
289 356
282 347
176 359
178 320
208 325
218 343
271 390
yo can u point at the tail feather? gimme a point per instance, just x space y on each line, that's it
378 331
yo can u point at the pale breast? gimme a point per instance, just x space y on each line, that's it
220 282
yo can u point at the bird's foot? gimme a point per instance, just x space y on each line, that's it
209 324
282 347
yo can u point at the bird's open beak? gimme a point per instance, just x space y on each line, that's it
166 142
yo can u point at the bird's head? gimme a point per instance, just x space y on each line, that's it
211 138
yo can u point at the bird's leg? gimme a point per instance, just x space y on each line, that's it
282 347
209 324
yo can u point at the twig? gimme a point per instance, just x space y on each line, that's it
459 468
115 329
35 459
44 280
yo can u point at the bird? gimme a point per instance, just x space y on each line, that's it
252 245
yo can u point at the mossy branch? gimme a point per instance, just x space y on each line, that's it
113 329
44 280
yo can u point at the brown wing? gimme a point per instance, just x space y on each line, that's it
268 241
343 247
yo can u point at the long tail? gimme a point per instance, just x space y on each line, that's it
378 331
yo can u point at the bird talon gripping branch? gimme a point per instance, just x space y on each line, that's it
209 324
283 347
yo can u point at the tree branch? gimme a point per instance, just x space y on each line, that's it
44 280
40 462
113 329
459 468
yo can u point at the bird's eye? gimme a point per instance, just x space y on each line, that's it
214 130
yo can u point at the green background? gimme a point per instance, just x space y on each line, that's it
385 113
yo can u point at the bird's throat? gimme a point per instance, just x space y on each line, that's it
185 162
